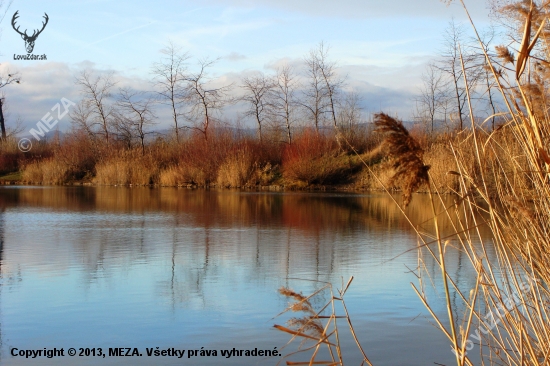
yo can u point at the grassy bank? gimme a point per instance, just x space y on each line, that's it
313 161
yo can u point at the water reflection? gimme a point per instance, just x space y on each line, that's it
307 211
192 265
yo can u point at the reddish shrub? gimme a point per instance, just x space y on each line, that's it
316 159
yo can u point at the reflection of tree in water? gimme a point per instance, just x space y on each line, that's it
304 243
283 234
185 285
7 280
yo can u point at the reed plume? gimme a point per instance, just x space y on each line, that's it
309 323
310 326
505 54
404 154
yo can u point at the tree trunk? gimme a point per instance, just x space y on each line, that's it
175 116
2 125
459 105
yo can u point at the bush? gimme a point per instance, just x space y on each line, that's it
315 159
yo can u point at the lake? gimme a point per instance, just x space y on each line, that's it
106 267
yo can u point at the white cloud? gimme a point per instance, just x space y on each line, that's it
364 8
235 56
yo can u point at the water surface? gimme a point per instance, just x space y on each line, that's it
138 267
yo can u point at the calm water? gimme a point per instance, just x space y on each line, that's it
137 267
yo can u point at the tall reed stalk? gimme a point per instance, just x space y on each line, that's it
506 313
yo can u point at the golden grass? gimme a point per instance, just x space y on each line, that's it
237 170
129 168
438 157
33 173
50 171
182 175
9 146
330 168
170 177
16 176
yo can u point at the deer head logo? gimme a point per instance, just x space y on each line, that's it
29 40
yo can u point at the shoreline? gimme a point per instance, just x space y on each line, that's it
274 188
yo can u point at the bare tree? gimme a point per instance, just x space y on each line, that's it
135 115
454 53
333 83
315 99
94 112
4 7
170 76
350 114
81 116
433 95
4 81
204 99
510 16
123 128
257 90
523 19
283 99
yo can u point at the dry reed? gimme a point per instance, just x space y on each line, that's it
50 171
237 169
314 327
129 168
503 184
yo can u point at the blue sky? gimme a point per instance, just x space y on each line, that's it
381 45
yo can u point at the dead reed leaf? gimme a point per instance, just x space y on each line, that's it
527 44
523 49
347 286
544 155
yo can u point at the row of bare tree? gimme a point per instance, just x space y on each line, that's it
459 70
312 94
